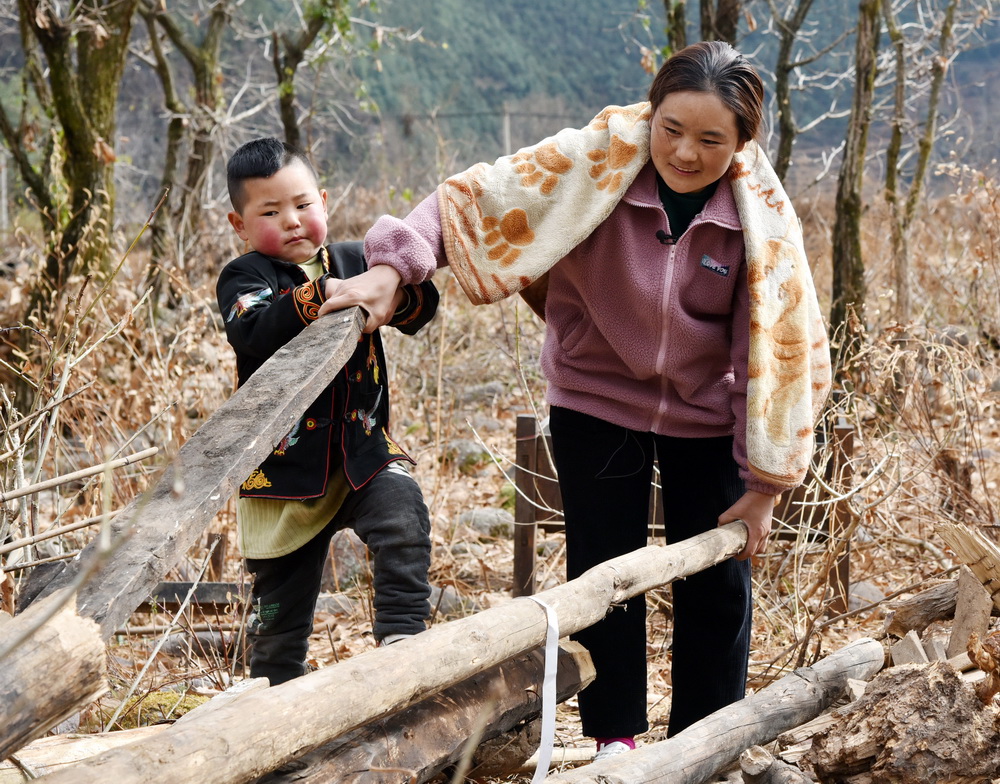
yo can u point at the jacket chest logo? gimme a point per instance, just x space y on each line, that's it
713 266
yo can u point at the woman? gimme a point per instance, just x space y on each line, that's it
682 326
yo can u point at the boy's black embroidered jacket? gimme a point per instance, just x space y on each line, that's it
265 303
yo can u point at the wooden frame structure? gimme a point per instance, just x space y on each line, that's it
538 504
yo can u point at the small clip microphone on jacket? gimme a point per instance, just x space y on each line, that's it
666 239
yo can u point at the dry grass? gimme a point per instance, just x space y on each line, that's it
922 401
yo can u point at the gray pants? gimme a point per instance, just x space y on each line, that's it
390 517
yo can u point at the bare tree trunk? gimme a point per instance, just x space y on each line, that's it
904 210
676 13
289 53
788 30
719 23
848 261
182 208
85 57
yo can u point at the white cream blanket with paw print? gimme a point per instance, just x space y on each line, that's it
506 224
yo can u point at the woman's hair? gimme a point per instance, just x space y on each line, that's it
714 67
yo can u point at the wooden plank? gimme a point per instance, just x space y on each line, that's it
325 704
211 597
972 612
909 650
165 522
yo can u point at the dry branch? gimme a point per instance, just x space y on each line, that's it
58 669
81 474
164 523
323 705
715 742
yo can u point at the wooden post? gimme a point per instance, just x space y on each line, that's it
526 452
161 525
322 705
840 524
702 750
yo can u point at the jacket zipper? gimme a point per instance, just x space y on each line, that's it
661 354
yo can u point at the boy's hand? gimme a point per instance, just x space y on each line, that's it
376 291
754 509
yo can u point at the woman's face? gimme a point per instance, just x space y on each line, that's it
693 139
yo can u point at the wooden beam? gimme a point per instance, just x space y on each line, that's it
711 745
165 522
214 597
56 669
325 704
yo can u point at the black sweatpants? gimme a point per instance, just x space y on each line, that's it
390 517
605 473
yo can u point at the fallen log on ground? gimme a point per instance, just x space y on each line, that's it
422 741
915 724
266 729
716 742
165 522
58 668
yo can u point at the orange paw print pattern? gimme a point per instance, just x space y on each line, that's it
506 236
608 164
542 167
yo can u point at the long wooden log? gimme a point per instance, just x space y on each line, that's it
165 522
306 712
55 671
423 740
716 742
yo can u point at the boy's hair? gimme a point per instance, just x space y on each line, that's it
260 158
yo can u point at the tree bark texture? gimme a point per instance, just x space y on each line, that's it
848 262
715 742
306 712
916 613
760 767
915 724
85 56
422 741
165 522
58 669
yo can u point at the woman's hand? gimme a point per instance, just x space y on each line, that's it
754 509
377 291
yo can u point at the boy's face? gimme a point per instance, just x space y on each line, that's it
283 215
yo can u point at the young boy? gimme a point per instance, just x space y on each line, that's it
337 467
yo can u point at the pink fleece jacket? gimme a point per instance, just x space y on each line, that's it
647 336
